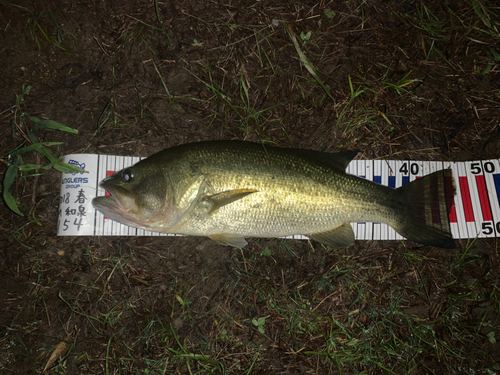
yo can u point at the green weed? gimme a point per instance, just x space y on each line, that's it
14 158
45 28
306 62
486 13
259 323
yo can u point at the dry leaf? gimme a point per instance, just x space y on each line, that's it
55 354
139 279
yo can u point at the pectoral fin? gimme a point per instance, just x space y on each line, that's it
339 237
226 197
228 239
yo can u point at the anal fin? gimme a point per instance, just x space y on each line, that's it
340 237
228 239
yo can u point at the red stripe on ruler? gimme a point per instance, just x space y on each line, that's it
464 189
483 198
453 215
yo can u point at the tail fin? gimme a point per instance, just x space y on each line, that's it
429 201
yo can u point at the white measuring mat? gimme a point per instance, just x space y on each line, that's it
476 212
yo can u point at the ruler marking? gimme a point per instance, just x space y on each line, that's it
492 181
467 199
377 178
496 179
483 198
460 215
464 188
471 170
392 182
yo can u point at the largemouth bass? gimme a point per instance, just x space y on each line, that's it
230 190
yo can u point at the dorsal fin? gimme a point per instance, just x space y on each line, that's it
339 160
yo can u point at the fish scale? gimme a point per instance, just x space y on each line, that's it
292 196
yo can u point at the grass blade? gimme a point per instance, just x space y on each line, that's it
304 60
49 124
8 181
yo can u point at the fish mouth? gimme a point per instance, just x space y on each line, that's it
117 205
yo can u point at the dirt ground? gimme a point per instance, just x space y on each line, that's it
402 80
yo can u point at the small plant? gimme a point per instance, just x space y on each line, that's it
329 13
305 37
259 323
14 159
400 85
266 252
491 337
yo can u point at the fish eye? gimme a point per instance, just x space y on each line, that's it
127 175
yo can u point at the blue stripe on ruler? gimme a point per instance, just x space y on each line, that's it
496 179
406 179
392 182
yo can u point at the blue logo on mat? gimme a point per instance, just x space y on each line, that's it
75 162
